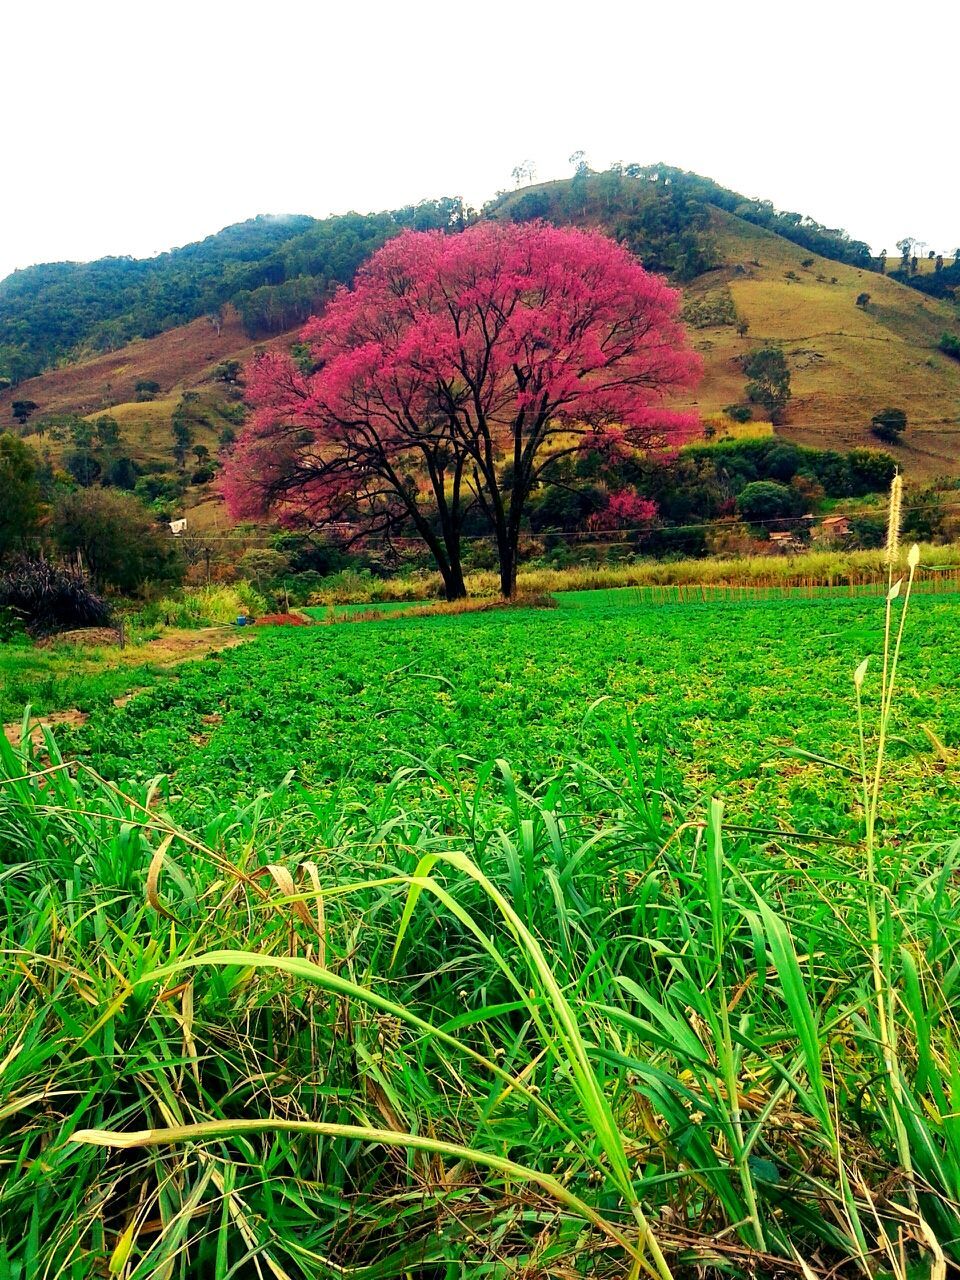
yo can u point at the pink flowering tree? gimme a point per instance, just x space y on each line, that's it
457 371
327 450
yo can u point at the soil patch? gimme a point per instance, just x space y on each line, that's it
166 651
73 718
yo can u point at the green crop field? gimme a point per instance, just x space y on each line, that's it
712 687
581 941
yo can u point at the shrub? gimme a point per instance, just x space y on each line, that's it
738 412
156 486
48 597
263 563
763 500
867 532
121 473
889 425
783 462
83 466
925 515
950 345
870 471
22 409
118 539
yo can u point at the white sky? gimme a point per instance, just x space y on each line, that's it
132 127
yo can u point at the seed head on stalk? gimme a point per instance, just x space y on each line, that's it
894 520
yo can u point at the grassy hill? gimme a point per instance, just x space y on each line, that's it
182 357
846 361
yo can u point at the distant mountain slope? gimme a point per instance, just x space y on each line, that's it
275 270
179 359
57 309
847 361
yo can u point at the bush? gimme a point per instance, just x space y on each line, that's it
950 345
263 563
157 486
925 515
783 461
83 466
867 533
121 473
764 500
870 471
120 543
889 425
738 412
48 597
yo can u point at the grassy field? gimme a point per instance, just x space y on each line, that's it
822 568
570 942
64 677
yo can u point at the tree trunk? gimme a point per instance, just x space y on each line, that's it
508 571
454 587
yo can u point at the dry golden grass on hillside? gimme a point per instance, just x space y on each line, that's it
846 361
178 360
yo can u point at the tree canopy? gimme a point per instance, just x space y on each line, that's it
20 506
454 375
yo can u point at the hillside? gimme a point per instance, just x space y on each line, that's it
275 270
846 361
182 357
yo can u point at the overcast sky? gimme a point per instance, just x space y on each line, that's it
134 127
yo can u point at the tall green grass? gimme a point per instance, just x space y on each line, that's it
589 1031
214 605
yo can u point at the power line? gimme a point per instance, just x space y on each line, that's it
639 530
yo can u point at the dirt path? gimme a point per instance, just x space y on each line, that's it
166 651
182 646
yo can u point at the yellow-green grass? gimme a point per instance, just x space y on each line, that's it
726 428
846 361
825 568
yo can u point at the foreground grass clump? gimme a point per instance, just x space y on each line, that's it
585 1031
436 1018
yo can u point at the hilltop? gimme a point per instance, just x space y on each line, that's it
751 276
846 360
